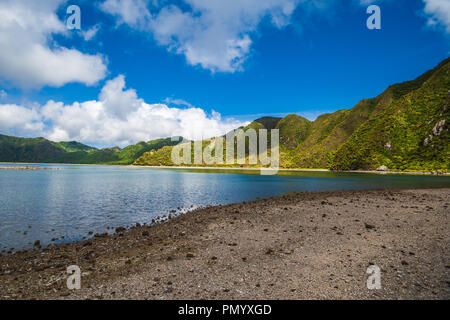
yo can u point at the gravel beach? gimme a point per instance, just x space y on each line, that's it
298 246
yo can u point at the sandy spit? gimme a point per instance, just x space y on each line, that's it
298 246
25 168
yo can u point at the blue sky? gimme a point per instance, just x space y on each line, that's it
286 56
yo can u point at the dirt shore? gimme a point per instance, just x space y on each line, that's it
299 246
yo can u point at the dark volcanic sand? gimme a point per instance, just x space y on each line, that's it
300 246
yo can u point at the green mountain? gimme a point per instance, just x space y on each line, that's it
404 128
74 146
41 150
268 122
409 129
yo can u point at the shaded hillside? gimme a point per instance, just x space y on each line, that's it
14 149
41 150
268 122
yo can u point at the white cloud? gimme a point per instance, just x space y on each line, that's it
18 119
131 12
29 57
90 34
438 12
367 2
3 94
178 102
118 117
215 34
118 101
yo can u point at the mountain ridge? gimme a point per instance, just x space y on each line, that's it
41 150
369 135
406 127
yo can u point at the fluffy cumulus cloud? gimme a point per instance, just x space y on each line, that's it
132 12
28 55
90 34
118 117
438 12
215 34
26 120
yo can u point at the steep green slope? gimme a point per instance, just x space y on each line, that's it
328 132
411 133
293 130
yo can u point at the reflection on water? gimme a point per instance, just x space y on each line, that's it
74 200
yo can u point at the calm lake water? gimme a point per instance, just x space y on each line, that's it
73 200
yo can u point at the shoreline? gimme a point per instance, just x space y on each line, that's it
309 245
61 164
297 170
433 173
25 168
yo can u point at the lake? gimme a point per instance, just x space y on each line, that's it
73 200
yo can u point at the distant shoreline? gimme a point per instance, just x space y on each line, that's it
238 169
61 164
25 168
299 170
